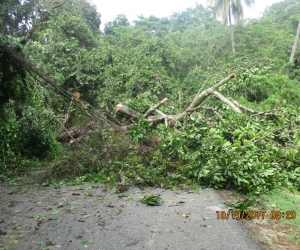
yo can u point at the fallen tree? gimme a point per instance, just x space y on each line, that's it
196 104
77 134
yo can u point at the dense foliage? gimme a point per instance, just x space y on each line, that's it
138 65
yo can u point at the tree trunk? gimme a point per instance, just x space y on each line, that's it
231 30
293 50
27 65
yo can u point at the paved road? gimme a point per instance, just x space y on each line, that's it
90 217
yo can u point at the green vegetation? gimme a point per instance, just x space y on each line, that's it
284 207
61 79
152 200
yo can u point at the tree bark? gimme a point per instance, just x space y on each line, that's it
20 59
228 102
231 30
293 50
124 109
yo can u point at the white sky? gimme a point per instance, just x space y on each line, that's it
109 9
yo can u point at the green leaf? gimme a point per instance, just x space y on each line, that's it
152 200
119 211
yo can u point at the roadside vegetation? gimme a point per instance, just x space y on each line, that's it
61 79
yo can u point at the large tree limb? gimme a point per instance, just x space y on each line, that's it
211 76
164 116
199 98
27 65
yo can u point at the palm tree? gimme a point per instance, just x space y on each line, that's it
229 9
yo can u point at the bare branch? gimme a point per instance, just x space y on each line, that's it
151 110
254 111
211 76
72 138
199 98
225 80
227 101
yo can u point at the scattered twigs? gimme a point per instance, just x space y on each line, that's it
255 112
151 110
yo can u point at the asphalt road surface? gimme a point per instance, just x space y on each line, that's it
89 216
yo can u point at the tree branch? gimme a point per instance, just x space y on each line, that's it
227 101
44 18
18 58
207 108
254 111
211 76
155 107
124 109
164 116
199 98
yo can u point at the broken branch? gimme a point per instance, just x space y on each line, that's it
124 109
227 101
155 107
254 111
